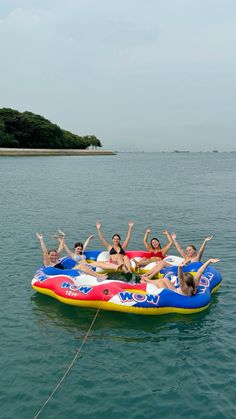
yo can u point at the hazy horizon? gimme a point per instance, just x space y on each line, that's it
154 75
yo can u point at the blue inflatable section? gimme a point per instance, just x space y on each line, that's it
50 271
68 263
213 277
92 254
210 279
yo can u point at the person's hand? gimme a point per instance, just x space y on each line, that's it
184 263
208 238
98 225
90 237
214 260
130 224
173 236
40 236
165 232
55 236
148 231
62 234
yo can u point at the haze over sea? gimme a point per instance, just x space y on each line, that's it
171 366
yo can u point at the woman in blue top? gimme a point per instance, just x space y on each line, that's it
51 259
78 256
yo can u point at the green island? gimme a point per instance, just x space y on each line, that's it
30 134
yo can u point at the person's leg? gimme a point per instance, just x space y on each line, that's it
127 263
119 260
107 266
83 267
155 270
160 283
146 261
165 283
141 262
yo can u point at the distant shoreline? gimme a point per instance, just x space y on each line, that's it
52 152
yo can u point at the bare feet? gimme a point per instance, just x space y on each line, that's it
145 280
102 276
145 276
120 266
136 265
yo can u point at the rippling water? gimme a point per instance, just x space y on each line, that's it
170 366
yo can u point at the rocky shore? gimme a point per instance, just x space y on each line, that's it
52 152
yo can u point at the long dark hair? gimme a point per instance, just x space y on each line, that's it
193 247
189 281
154 238
78 244
114 235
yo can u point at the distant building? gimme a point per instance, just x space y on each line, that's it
181 151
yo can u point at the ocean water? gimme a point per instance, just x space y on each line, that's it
171 366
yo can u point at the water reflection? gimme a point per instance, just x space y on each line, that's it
121 326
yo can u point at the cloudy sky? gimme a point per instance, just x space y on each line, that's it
154 75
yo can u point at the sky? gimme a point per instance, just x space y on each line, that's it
141 75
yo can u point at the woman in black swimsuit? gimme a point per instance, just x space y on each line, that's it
117 252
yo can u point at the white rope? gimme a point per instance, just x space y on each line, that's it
69 367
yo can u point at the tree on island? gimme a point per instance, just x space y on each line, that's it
28 130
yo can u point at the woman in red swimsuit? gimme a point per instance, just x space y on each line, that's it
190 255
156 252
117 250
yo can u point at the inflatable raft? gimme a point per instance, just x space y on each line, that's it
133 255
113 295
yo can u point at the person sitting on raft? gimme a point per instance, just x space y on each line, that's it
79 257
156 252
188 284
190 255
117 250
51 258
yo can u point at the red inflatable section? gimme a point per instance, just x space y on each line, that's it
137 253
64 286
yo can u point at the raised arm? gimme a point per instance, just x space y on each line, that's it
104 242
61 238
87 242
202 269
170 242
68 251
127 239
202 248
46 261
177 245
145 240
181 278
